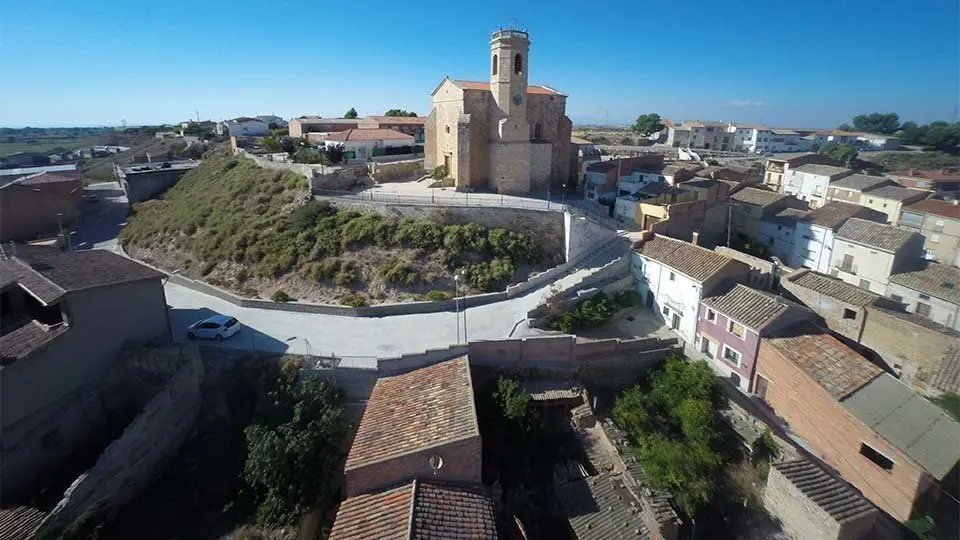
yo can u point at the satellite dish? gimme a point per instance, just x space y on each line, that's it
436 463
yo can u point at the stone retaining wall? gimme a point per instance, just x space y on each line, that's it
397 171
133 461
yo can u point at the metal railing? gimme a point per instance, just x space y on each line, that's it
491 200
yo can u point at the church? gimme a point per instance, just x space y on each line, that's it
503 135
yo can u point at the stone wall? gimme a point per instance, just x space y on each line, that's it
133 461
583 234
298 168
397 171
541 166
338 179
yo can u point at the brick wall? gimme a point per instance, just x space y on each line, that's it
835 436
461 463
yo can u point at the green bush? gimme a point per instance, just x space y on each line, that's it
596 311
491 276
353 300
398 273
280 296
440 172
437 296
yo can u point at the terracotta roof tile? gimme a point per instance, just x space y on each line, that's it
410 120
425 408
940 280
757 197
384 515
19 522
838 499
750 307
531 89
601 508
945 209
876 235
861 182
418 510
830 363
935 175
832 287
835 213
897 193
369 135
693 261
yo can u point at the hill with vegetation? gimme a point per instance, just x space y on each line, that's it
257 232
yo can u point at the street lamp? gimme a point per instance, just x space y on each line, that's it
465 340
456 301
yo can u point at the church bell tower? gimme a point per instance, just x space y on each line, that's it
509 57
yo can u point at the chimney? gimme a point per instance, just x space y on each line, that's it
696 238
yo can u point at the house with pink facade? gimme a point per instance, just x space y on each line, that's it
731 322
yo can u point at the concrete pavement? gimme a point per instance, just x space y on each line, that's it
359 340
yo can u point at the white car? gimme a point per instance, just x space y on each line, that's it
218 327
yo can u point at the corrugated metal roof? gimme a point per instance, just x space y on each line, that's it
832 287
875 235
749 307
602 508
920 429
841 501
940 280
692 261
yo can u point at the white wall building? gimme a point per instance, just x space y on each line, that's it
673 276
365 143
809 182
866 253
243 127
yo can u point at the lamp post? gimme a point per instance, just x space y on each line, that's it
465 340
456 301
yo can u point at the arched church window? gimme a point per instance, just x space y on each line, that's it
538 130
495 59
518 64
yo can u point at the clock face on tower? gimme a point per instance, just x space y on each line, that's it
517 99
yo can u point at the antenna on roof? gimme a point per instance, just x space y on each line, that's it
436 463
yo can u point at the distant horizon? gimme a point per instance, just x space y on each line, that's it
102 65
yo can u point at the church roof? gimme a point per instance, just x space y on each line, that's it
485 87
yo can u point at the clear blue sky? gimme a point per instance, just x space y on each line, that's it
811 63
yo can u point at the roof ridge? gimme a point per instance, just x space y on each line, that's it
411 523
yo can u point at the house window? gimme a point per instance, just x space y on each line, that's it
737 329
849 314
666 311
731 356
924 296
923 309
518 64
711 315
495 60
762 385
876 457
708 348
538 130
864 284
896 298
673 276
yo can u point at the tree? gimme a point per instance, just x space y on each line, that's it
845 127
883 123
271 144
352 113
335 153
911 133
288 145
294 456
400 112
647 124
942 136
844 153
672 417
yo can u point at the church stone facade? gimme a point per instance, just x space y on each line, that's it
503 135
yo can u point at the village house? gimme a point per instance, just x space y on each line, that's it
778 167
882 437
940 181
40 204
242 127
368 143
602 178
673 276
933 292
939 223
410 125
809 182
66 316
729 326
924 354
814 236
752 205
305 125
866 253
891 199
850 188
778 232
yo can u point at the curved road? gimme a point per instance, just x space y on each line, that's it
357 340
